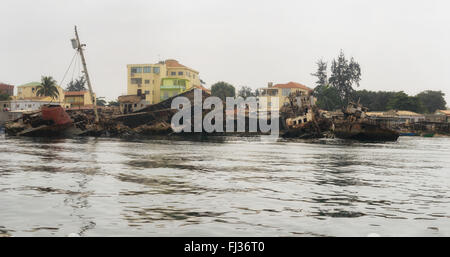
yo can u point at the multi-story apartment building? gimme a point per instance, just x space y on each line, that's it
157 82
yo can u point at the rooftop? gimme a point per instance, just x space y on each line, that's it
446 112
293 85
70 93
30 84
130 98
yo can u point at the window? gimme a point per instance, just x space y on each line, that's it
156 70
147 92
136 70
285 91
147 69
180 73
136 81
173 73
166 95
147 81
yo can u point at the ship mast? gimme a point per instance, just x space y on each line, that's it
79 47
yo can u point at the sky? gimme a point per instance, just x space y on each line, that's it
400 45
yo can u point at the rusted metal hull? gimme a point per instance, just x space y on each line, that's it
364 132
52 121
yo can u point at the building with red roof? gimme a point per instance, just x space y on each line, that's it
274 97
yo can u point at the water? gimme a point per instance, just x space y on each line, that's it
229 187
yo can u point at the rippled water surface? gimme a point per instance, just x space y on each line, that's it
224 187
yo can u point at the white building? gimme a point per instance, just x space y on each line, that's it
13 109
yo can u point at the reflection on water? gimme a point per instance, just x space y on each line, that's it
228 186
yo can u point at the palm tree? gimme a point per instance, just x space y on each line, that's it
47 87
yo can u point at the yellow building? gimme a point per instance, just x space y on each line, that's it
278 94
160 81
78 98
28 92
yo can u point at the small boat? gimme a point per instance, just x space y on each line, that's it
408 134
428 135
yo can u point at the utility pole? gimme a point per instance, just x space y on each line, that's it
80 49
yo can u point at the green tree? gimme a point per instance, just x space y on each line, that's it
113 103
432 100
321 74
328 98
223 90
4 97
344 74
101 101
77 84
375 101
401 101
245 92
47 87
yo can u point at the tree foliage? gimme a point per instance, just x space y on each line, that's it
4 97
245 92
425 102
223 90
328 98
321 74
344 74
432 100
113 103
100 101
47 87
401 101
375 101
77 84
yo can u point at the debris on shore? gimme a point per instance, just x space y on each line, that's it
299 118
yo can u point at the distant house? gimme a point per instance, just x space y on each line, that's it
406 116
444 113
132 103
29 92
6 89
78 99
279 94
13 109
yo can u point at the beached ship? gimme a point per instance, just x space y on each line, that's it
300 118
49 121
356 125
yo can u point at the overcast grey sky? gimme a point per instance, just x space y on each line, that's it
400 45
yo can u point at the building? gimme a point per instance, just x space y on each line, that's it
78 99
280 92
13 109
160 81
131 103
28 92
444 113
6 89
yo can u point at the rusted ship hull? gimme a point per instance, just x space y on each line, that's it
53 121
364 132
